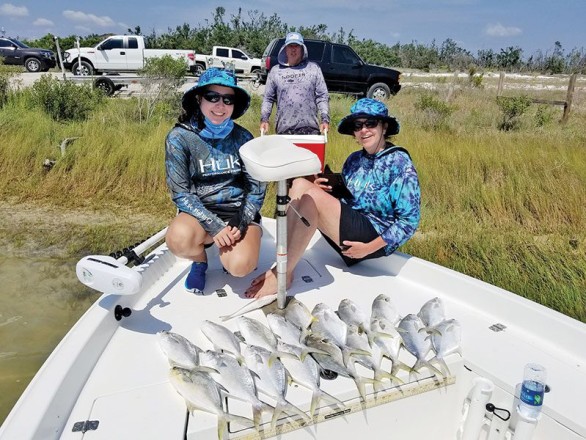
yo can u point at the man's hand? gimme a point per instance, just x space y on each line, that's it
324 127
264 128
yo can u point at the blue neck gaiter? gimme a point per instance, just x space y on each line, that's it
217 131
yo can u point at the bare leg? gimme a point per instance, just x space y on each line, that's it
242 258
186 238
321 210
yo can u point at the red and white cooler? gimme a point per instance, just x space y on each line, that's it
313 142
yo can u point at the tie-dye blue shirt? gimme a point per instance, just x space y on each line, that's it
386 189
207 177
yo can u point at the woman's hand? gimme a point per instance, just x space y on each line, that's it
358 249
322 182
228 236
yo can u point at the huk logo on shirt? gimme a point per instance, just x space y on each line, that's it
223 166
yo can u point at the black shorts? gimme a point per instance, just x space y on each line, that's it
354 226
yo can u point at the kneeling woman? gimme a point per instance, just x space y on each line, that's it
217 200
383 211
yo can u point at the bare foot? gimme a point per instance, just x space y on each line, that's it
265 284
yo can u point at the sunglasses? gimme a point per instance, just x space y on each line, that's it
368 123
215 97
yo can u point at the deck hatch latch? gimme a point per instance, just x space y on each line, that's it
83 427
498 327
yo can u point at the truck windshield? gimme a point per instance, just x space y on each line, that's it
19 44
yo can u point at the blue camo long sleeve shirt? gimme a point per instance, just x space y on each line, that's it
300 93
386 189
207 177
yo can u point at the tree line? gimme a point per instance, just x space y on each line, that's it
253 30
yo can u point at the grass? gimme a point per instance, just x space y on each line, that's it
504 207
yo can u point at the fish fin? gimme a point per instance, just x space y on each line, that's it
319 394
244 421
283 406
445 371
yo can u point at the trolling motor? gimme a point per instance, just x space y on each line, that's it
109 274
275 159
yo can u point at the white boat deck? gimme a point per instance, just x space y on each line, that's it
130 395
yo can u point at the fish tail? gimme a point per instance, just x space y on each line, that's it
227 417
222 426
445 371
290 409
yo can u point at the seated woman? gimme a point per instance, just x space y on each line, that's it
217 200
383 212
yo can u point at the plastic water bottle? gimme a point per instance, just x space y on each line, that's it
532 390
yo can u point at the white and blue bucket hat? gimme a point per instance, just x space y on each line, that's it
371 109
220 77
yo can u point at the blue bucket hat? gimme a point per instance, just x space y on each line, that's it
291 38
369 108
220 77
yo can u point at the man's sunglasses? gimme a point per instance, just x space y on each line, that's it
368 123
215 97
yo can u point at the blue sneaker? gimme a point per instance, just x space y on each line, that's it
196 278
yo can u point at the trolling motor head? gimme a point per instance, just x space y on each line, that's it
107 275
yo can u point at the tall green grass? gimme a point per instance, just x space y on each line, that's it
504 207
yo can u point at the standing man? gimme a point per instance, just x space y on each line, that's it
298 87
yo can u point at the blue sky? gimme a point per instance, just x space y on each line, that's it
473 24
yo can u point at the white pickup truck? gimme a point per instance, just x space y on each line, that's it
228 58
119 53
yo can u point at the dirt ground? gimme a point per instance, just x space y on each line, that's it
31 230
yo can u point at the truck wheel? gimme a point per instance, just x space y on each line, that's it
33 64
199 69
86 69
106 85
379 91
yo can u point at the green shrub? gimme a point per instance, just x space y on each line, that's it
163 77
434 112
512 108
65 100
543 116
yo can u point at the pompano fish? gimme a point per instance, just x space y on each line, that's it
289 333
202 393
258 303
352 314
334 361
372 360
416 341
305 373
180 351
328 325
222 339
237 379
383 307
391 344
432 313
297 313
446 340
256 333
273 380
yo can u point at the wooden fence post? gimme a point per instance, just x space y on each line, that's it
499 89
569 98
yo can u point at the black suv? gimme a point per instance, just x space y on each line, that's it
343 70
34 60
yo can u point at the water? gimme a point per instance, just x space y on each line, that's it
40 300
531 398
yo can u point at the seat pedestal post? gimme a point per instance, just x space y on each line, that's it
282 201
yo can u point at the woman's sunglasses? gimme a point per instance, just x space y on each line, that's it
215 97
368 123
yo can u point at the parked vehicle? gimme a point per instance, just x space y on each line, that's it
119 53
230 58
344 71
17 53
